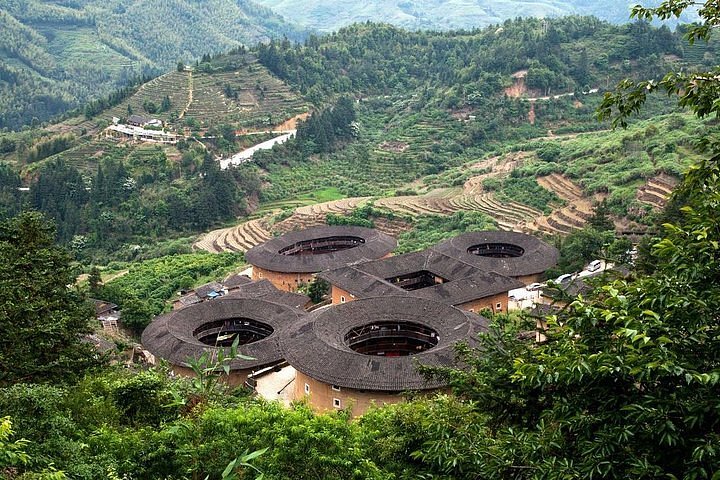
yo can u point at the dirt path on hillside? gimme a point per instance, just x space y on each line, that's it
83 277
190 96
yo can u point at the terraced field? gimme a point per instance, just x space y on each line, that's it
261 98
656 190
235 239
496 167
562 186
573 214
512 216
246 235
566 219
175 85
85 157
313 215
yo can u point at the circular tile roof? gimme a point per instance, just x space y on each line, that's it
171 336
535 256
317 346
369 244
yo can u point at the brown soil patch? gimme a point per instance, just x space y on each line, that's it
499 167
291 124
393 146
517 90
531 114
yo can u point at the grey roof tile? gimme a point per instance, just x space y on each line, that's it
374 245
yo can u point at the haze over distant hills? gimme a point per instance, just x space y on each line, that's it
57 54
328 15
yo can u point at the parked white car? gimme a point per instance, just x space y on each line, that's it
564 278
594 266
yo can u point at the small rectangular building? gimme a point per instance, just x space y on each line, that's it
139 134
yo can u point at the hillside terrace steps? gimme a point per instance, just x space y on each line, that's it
208 242
417 205
543 226
565 215
223 242
562 186
297 222
657 190
561 225
651 199
508 215
392 227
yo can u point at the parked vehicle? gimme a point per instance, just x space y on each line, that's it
533 287
564 278
594 266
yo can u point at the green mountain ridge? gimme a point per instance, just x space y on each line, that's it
430 107
57 55
325 16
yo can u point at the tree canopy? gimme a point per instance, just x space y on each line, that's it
626 385
41 318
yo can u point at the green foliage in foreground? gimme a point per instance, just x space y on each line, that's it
125 422
41 320
431 229
144 290
624 377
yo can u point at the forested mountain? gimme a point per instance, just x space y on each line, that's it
56 55
327 15
624 380
563 55
426 104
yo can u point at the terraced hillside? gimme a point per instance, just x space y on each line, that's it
570 213
248 97
507 215
139 158
175 85
574 215
58 55
312 215
656 190
85 156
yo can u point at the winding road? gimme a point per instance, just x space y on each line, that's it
246 155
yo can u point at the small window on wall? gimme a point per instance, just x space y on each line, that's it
337 403
342 299
335 388
498 306
307 389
